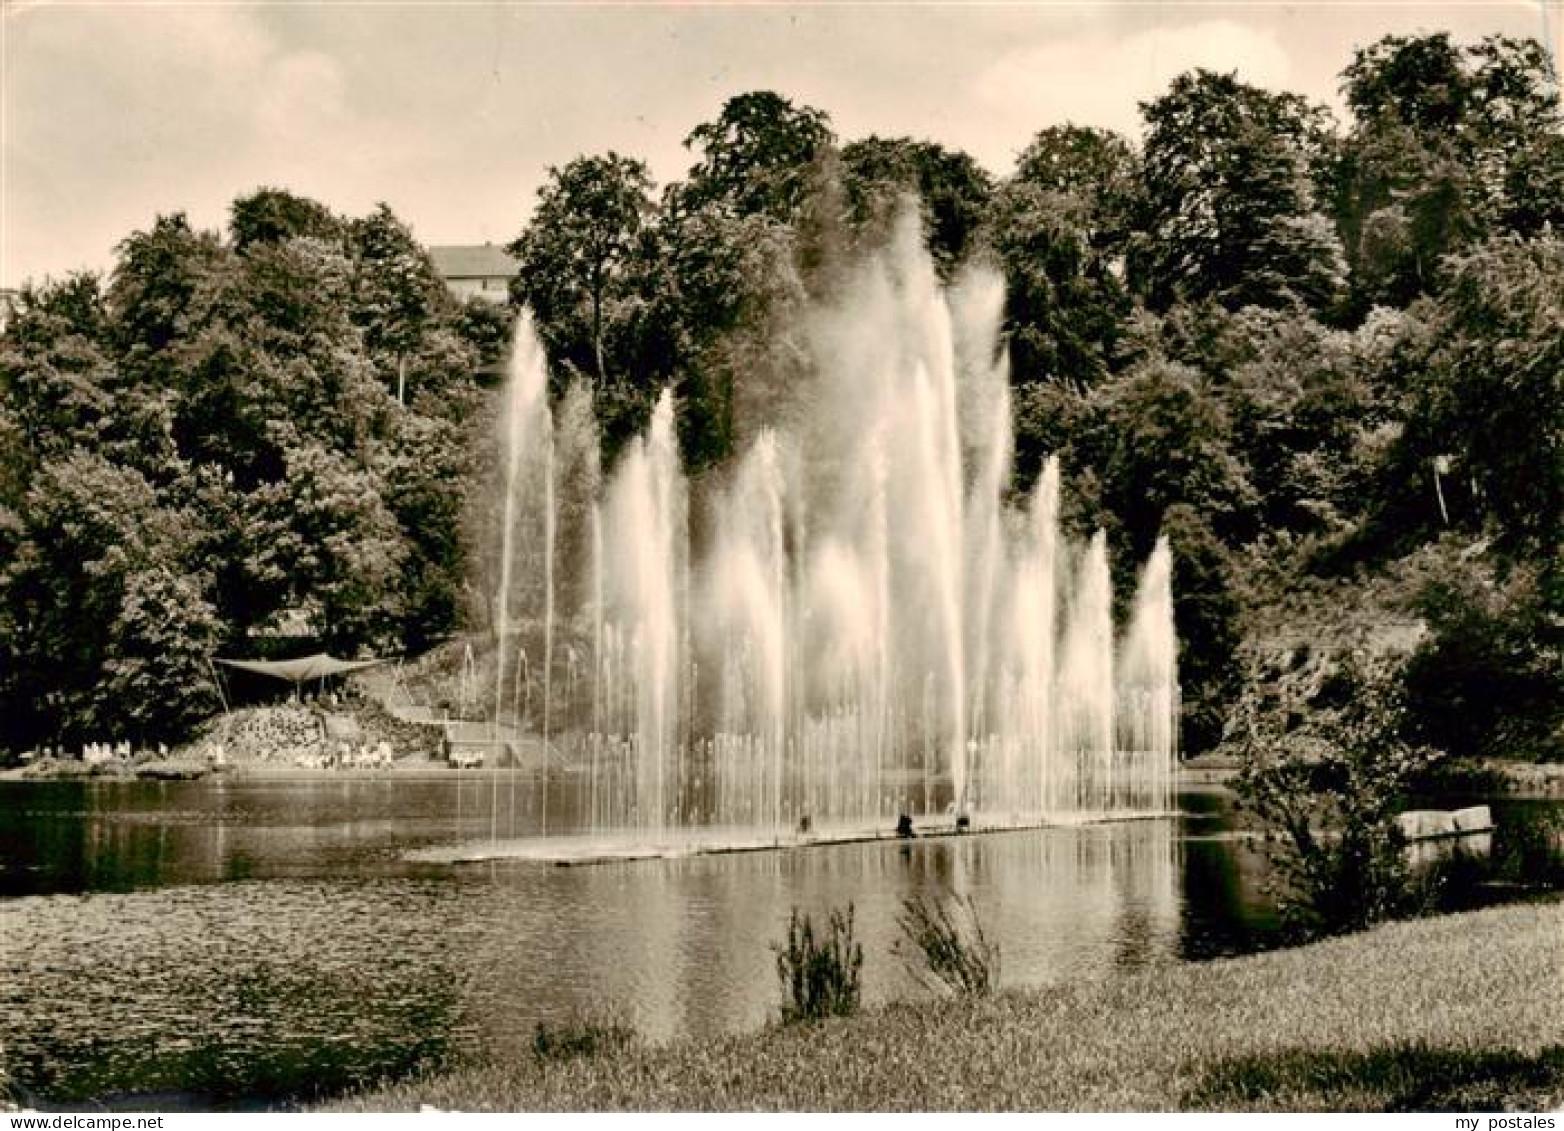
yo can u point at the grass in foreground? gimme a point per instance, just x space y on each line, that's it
1464 1012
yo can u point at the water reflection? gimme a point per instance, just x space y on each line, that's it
254 943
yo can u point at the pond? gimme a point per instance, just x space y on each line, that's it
254 944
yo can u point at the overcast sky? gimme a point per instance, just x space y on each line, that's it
452 113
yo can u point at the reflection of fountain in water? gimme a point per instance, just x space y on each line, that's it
867 625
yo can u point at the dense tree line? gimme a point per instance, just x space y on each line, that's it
223 431
1305 349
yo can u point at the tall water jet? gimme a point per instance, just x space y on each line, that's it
1086 693
848 675
931 311
1028 731
1148 705
939 487
854 618
747 575
641 563
596 737
526 444
977 303
573 598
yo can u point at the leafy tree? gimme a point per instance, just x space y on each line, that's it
209 442
1050 417
61 375
238 542
1153 453
1164 439
54 383
1097 168
1486 681
1518 139
1059 227
15 471
1229 192
1408 204
221 412
274 215
1206 611
289 299
397 293
157 287
1450 144
1418 80
426 471
101 596
160 295
755 158
49 312
155 674
1486 411
486 328
1205 336
339 544
952 189
1064 301
1330 789
729 290
1298 405
274 357
579 257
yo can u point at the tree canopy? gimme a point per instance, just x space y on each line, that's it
212 439
1316 355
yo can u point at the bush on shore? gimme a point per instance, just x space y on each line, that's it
821 976
1326 791
944 946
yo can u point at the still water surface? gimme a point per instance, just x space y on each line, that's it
254 944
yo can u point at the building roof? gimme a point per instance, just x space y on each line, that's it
473 261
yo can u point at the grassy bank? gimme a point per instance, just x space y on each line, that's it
1460 1012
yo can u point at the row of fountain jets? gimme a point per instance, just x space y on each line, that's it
853 621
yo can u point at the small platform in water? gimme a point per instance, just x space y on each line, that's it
575 850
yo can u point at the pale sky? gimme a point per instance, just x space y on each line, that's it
113 112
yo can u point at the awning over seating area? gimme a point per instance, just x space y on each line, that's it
303 668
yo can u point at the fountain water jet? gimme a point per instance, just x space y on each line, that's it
864 624
527 436
1147 709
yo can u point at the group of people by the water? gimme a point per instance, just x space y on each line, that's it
96 753
344 756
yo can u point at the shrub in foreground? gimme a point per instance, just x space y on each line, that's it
947 935
820 976
1328 793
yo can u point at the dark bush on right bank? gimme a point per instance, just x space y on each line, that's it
1326 794
1530 850
1486 681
